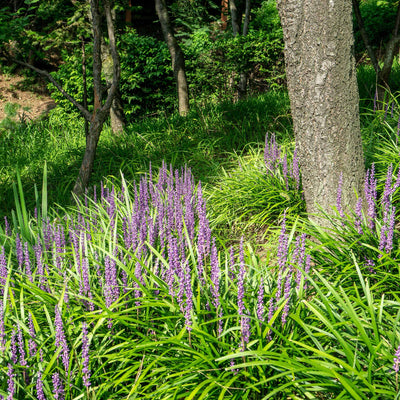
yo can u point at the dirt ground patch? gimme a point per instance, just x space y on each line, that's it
33 102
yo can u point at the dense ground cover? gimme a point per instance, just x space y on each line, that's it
158 286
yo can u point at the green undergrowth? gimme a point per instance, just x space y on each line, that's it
204 141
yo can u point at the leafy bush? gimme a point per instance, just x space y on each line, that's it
214 61
379 19
147 83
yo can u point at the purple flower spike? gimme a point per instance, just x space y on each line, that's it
242 271
10 382
215 273
358 219
39 387
189 297
13 347
2 329
396 361
21 347
19 252
260 302
58 388
245 329
370 195
3 271
60 339
31 343
27 263
7 227
85 356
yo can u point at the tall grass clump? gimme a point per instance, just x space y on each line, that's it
255 193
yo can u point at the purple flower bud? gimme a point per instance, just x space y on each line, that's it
396 360
58 388
270 313
60 339
245 329
260 302
85 356
215 273
10 382
2 329
286 297
370 195
21 347
358 219
13 347
7 227
3 271
27 263
39 387
189 297
242 271
31 343
390 230
19 252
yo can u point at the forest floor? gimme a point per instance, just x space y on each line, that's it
32 97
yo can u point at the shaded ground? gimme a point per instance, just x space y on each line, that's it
33 100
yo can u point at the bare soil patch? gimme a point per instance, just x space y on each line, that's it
33 101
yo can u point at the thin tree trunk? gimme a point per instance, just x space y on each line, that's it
246 18
382 74
242 88
178 61
224 12
117 115
85 94
234 17
100 110
323 93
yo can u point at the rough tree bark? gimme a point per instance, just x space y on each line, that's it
178 60
321 76
382 73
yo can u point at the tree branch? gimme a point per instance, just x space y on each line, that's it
114 55
86 114
363 32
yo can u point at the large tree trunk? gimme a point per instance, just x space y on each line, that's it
178 61
323 93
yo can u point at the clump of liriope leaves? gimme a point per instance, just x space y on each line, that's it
255 193
127 296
